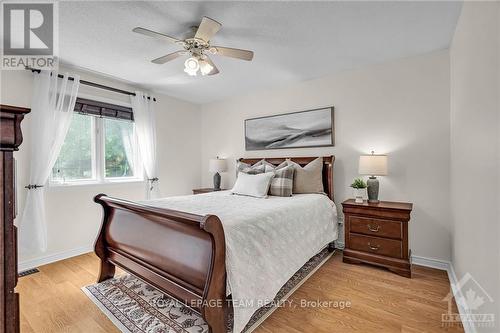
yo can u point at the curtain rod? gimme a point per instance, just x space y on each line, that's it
93 84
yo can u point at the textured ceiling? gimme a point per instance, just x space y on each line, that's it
292 41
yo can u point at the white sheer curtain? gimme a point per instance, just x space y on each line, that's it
145 129
127 139
52 107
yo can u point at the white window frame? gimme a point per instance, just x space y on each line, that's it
98 155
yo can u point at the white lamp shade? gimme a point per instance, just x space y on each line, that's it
373 165
217 165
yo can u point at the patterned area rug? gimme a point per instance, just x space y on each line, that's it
136 307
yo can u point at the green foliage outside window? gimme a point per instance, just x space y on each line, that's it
75 158
118 148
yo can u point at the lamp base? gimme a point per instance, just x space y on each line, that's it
373 187
217 182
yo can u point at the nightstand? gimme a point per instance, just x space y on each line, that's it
377 234
205 190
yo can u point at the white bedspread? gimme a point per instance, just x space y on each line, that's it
267 240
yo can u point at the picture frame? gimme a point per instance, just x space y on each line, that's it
301 129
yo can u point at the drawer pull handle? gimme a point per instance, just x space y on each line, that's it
373 248
373 229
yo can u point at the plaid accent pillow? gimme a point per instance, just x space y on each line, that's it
250 169
282 183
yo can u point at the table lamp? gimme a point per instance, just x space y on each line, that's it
217 165
373 165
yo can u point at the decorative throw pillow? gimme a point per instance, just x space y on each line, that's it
253 185
250 169
268 167
308 179
282 183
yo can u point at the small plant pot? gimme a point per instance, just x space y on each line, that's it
358 194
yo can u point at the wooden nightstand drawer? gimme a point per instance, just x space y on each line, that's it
376 227
382 246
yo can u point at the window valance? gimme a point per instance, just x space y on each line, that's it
101 109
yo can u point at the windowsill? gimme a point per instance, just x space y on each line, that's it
84 183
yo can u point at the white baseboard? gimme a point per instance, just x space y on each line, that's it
44 260
462 306
431 262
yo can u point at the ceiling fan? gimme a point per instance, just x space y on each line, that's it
197 47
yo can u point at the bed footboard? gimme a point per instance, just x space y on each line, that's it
181 254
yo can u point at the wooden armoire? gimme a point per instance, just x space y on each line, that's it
10 139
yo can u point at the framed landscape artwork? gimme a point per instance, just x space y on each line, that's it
312 128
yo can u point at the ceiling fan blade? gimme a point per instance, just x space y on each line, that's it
215 70
151 33
207 29
168 57
234 53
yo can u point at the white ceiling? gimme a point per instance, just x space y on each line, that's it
292 41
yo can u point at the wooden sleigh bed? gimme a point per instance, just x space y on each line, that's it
181 254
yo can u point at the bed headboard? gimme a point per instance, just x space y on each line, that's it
302 161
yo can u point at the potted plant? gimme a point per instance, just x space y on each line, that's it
359 189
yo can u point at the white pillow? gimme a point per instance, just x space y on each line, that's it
253 185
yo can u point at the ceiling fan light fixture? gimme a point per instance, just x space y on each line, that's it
191 66
190 72
198 47
205 67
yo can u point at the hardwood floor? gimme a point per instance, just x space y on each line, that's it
51 301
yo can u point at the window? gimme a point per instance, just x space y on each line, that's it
118 148
76 160
98 149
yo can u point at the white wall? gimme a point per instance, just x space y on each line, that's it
475 164
399 108
72 216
